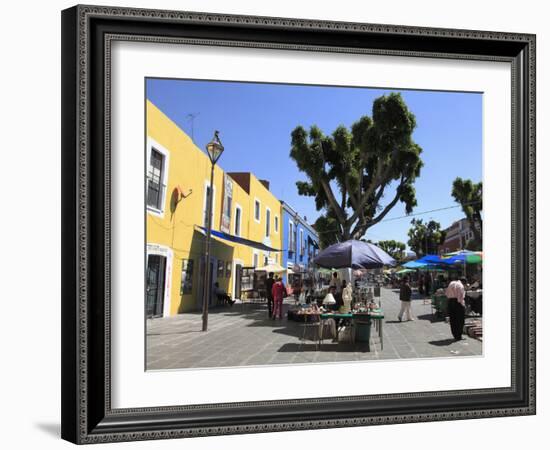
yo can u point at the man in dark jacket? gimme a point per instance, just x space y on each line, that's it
405 294
268 286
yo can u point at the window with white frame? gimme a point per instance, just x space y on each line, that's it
257 210
267 222
227 205
238 215
155 180
291 240
302 246
276 227
256 258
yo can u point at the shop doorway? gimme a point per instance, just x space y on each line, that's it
237 273
155 278
199 299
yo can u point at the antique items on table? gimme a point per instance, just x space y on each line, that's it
473 300
324 322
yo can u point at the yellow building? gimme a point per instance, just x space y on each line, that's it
178 180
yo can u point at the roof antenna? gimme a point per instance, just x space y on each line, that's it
191 117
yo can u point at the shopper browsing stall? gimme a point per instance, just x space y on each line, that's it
455 296
278 291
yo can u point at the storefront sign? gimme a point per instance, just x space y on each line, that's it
227 201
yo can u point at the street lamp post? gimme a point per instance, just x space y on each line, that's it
215 150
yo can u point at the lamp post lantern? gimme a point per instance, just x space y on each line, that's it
215 150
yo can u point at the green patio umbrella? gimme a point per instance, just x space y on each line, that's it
464 257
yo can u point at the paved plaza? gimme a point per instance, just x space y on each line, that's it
243 335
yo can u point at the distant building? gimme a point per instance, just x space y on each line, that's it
457 236
264 217
300 242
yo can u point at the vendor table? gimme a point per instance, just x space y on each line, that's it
439 306
473 300
317 320
376 315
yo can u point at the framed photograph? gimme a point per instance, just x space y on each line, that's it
267 222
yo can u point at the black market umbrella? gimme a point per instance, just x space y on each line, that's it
353 254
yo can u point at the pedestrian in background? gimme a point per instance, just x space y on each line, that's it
405 294
457 307
336 283
268 286
222 296
278 291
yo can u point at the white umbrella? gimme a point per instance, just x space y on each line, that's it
273 267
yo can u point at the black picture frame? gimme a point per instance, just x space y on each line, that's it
87 415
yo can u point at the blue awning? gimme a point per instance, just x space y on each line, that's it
239 240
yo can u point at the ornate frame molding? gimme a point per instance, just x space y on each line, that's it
86 214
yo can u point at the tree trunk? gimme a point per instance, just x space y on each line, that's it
346 233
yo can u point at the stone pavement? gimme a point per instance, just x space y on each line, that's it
243 335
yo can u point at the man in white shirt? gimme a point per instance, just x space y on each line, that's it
455 296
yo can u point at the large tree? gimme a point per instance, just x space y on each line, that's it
470 197
425 238
358 175
394 248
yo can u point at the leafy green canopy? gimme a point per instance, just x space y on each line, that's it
349 173
394 248
425 238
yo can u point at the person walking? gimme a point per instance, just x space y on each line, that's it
405 294
457 307
278 291
268 286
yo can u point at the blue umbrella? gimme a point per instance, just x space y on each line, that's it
431 259
353 254
414 265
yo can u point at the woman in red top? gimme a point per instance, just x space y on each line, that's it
278 291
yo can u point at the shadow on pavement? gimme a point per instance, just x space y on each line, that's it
174 333
289 328
431 318
443 342
325 346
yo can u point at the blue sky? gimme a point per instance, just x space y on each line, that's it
255 121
